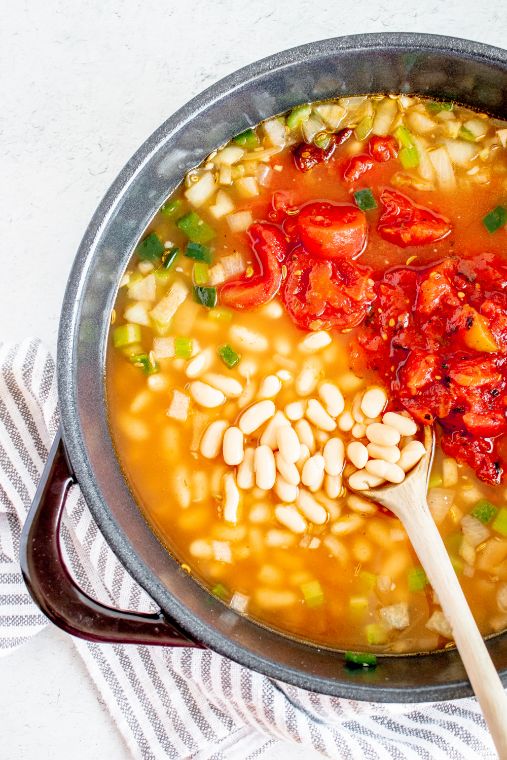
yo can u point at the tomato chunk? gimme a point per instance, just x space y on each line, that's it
404 222
382 148
332 230
270 248
357 166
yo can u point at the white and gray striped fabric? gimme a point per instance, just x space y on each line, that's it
186 703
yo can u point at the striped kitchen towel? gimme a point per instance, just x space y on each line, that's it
186 703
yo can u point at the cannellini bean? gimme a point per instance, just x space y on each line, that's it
248 394
181 487
287 470
205 395
307 380
255 416
290 518
304 455
232 446
272 310
387 453
358 454
245 475
305 434
201 549
285 376
311 508
228 385
346 421
361 480
199 485
382 434
362 506
346 524
270 386
362 550
157 382
334 453
412 453
268 437
356 408
264 468
359 430
316 413
248 339
386 470
212 438
248 368
332 398
199 364
295 410
275 599
333 486
231 499
286 492
373 402
314 342
313 472
260 513
404 425
288 443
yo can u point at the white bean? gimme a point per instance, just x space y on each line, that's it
373 402
358 454
206 396
404 425
270 387
285 376
211 440
307 380
332 397
287 470
316 413
305 454
248 368
333 486
231 499
288 443
334 453
248 339
199 363
314 342
290 518
305 434
346 421
411 454
287 492
295 410
232 446
356 408
361 480
245 474
228 385
359 430
362 506
311 508
313 472
268 437
264 468
387 453
382 434
255 416
385 470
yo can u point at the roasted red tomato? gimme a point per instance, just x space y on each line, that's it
332 230
404 222
308 155
324 294
270 248
357 166
382 148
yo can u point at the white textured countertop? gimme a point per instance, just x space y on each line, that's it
83 84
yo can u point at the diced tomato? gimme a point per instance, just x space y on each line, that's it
324 294
472 373
436 290
419 370
404 222
485 424
270 248
332 230
479 453
307 155
382 148
357 166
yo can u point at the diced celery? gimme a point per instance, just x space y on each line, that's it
436 480
200 273
495 219
183 347
198 252
169 257
313 593
221 592
298 115
171 208
484 511
361 659
368 580
500 522
436 107
365 200
151 248
247 139
206 296
220 314
146 362
195 228
466 134
404 136
417 579
376 634
364 127
409 157
228 355
126 335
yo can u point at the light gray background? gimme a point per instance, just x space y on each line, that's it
82 84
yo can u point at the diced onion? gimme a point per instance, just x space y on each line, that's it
502 136
178 409
312 127
247 187
222 551
477 127
144 289
227 268
461 152
166 308
223 205
202 190
443 168
274 130
332 114
239 602
138 314
474 531
240 221
231 154
425 167
384 116
420 122
440 501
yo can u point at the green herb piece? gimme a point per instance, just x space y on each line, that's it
417 579
364 128
484 511
247 139
221 592
183 347
365 200
436 107
198 252
171 208
500 522
298 115
313 593
376 634
145 362
322 140
126 335
195 228
169 257
228 355
151 248
220 314
200 273
206 296
495 219
361 659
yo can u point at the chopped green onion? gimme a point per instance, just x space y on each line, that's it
364 128
375 634
145 362
361 659
198 252
206 296
200 273
247 139
220 314
170 208
484 511
183 347
404 136
436 107
500 522
313 593
220 591
126 335
228 355
436 480
195 228
322 140
298 115
417 579
495 219
151 248
169 257
408 154
365 200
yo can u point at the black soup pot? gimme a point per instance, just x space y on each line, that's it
438 67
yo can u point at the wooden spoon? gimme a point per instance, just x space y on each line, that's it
408 502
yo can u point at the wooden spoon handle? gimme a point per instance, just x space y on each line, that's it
483 676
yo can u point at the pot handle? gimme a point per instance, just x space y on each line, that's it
55 591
